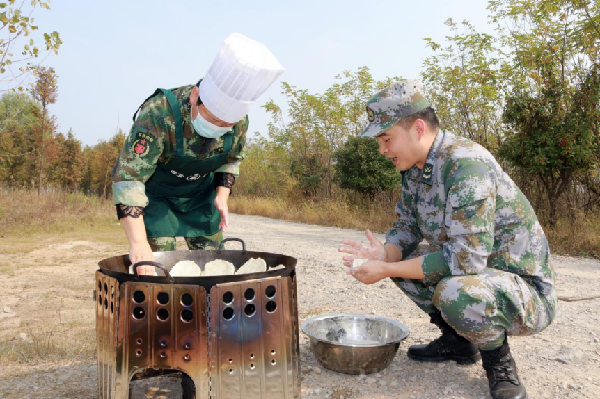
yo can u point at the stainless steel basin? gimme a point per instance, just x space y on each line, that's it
354 343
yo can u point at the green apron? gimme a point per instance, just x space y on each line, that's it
181 193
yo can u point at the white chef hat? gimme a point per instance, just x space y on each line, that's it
242 71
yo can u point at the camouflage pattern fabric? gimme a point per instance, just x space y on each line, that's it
162 244
482 307
393 103
152 140
466 206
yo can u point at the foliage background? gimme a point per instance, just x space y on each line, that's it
530 94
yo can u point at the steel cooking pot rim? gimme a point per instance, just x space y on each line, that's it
396 323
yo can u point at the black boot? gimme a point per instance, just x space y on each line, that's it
450 346
502 374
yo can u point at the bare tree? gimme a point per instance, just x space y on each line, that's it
45 90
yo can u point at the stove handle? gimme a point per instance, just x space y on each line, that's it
155 264
232 239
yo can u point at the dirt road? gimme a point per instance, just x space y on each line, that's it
50 296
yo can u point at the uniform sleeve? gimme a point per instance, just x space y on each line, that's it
237 150
405 232
137 160
469 218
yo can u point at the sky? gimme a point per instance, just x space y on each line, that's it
116 53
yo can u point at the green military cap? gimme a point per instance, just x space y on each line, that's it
393 103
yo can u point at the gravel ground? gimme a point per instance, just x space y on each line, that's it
561 362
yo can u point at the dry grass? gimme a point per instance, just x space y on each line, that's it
29 221
324 213
23 212
579 236
48 343
36 221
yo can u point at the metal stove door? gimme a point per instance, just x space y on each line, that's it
165 328
253 336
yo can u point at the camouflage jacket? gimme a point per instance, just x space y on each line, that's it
463 202
155 129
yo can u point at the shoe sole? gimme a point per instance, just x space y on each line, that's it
459 360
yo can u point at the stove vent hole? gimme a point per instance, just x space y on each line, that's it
249 294
112 307
100 300
228 313
187 315
99 285
139 341
252 367
271 306
138 352
228 298
112 291
105 304
273 362
187 299
105 289
230 371
162 314
273 352
230 361
270 292
162 298
139 297
250 310
252 356
139 313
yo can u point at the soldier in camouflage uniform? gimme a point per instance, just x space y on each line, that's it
484 272
151 145
174 174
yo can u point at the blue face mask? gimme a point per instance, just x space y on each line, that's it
209 130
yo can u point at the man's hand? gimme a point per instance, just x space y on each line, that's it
373 251
140 252
369 272
221 205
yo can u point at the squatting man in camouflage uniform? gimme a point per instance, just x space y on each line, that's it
174 174
484 273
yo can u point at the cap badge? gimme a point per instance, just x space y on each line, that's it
371 114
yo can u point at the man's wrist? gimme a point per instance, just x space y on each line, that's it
138 242
223 191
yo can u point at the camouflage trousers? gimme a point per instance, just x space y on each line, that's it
483 307
162 244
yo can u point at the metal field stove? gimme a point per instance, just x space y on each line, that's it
236 336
